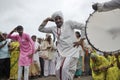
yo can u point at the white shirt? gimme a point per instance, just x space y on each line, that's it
66 38
36 55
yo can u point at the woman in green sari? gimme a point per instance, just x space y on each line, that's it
98 66
119 64
14 52
112 71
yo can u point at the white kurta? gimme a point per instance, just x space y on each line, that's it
66 65
110 5
36 55
67 37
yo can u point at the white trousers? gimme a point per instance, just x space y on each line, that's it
26 72
66 67
49 67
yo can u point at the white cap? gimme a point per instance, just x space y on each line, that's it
57 13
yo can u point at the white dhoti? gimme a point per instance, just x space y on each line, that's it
66 67
49 67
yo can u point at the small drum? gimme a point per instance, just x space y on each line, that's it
103 31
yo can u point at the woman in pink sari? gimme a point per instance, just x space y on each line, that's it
26 51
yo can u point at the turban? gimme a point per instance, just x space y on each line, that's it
58 13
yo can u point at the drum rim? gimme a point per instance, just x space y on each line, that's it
91 44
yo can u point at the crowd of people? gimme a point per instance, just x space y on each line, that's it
23 56
102 66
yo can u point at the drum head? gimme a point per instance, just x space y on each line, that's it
103 30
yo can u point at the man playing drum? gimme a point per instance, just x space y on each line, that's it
110 5
64 32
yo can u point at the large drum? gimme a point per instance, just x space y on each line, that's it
103 31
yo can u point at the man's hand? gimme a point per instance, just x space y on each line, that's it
15 29
94 6
76 44
48 19
96 70
30 55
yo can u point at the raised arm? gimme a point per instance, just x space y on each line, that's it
14 37
43 24
106 6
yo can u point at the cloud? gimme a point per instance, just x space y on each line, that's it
30 13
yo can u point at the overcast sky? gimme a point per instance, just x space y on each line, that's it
30 13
